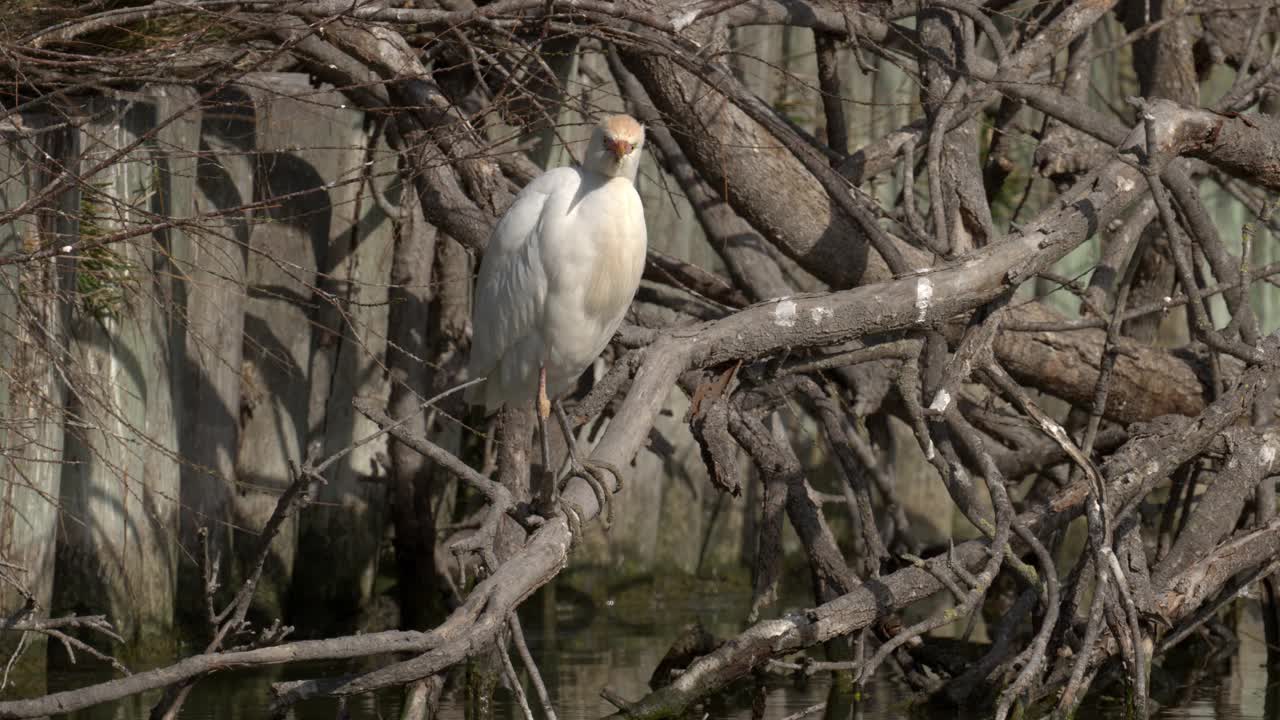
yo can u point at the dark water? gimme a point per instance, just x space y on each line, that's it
615 636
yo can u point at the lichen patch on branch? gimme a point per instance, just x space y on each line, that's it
924 297
785 313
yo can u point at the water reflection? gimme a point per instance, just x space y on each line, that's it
588 635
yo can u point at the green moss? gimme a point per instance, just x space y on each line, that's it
103 275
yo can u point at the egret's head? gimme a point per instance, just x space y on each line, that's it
614 150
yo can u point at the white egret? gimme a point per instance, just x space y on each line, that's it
556 280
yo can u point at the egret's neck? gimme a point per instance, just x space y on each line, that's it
629 166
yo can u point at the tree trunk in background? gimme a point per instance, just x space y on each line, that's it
213 263
1265 497
561 55
32 393
340 535
966 212
1165 68
120 484
275 397
175 154
415 498
964 223
449 320
823 240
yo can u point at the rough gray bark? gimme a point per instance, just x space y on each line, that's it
274 412
825 241
212 320
415 492
339 539
121 479
33 392
1165 68
962 214
743 249
1148 382
1217 512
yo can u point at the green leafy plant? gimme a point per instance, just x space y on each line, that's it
103 275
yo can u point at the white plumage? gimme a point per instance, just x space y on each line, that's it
560 272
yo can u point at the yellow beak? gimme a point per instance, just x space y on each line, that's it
618 147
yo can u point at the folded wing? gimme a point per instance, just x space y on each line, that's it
510 297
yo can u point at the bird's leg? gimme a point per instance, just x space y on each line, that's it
548 493
549 501
590 471
544 405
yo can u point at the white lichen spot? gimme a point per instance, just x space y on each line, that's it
819 314
66 248
1123 184
924 296
1056 432
941 401
680 22
773 629
784 313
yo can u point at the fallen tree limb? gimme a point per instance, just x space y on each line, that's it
1147 382
875 598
